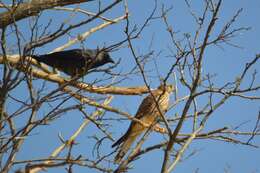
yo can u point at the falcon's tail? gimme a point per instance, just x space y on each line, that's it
124 148
119 141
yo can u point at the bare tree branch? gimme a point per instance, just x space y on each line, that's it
23 10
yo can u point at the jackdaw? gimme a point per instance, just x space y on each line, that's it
75 62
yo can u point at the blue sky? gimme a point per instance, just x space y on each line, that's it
227 62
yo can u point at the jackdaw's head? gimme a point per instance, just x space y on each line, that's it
103 57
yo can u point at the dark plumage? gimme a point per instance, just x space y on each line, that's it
75 61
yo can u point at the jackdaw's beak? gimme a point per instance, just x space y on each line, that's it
111 61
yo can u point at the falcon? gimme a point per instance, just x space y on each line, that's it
148 113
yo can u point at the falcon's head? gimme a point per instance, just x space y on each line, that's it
166 88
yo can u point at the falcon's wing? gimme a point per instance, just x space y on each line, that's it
146 105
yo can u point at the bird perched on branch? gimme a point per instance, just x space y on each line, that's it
75 61
148 113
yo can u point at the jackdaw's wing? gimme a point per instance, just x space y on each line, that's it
69 61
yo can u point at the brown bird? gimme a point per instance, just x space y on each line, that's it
148 113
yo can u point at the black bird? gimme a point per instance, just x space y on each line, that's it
75 61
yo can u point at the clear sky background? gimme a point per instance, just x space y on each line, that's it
225 61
